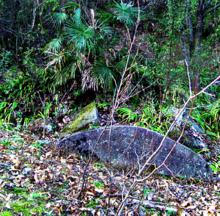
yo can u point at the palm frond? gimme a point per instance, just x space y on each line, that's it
79 33
125 13
61 77
70 6
103 74
56 61
54 45
60 18
77 17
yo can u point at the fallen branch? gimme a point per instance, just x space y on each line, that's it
155 205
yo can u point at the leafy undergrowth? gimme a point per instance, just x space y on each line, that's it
35 180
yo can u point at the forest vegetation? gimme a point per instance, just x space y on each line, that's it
140 61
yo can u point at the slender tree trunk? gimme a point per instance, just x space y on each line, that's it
198 45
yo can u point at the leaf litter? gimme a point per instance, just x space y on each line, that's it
36 180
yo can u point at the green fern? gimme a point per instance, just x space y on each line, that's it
127 114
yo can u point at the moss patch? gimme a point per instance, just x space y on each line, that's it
87 115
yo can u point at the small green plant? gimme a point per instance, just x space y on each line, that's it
39 144
157 119
209 118
46 111
103 105
25 203
127 114
216 166
98 184
146 192
125 13
92 203
20 190
6 213
151 211
7 110
99 165
170 212
5 142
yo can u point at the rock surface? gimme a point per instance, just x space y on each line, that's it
87 115
194 136
128 146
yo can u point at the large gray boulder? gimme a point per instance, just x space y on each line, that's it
129 146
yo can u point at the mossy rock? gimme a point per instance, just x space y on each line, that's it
87 115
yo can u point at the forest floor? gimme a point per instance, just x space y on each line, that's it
35 180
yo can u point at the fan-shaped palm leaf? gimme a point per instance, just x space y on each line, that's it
60 18
125 13
103 74
54 45
79 33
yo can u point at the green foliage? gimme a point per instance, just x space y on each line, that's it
6 213
125 13
27 204
79 33
93 203
146 192
7 111
46 111
99 165
156 119
60 18
6 57
127 114
103 74
66 49
53 51
170 212
209 118
216 166
54 45
98 184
